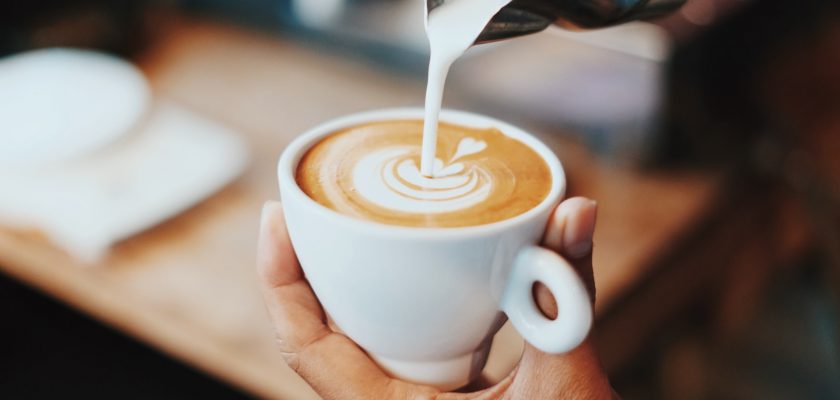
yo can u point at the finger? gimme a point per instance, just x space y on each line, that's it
299 315
277 263
569 233
497 391
330 362
571 228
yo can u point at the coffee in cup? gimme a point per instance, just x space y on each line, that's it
372 172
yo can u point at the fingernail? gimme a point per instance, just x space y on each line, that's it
269 210
554 232
579 229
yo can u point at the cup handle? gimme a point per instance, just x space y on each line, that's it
574 317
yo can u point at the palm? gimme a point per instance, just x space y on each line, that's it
338 369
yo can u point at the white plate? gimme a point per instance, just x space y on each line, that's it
59 104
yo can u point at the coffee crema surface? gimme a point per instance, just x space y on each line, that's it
372 172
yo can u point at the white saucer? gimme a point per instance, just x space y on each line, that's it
89 158
60 104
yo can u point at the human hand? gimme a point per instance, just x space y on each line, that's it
338 369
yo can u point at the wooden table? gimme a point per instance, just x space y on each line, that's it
188 287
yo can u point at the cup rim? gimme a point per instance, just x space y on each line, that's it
291 155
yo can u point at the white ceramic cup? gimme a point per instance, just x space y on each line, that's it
426 302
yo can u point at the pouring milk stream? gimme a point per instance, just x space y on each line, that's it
452 28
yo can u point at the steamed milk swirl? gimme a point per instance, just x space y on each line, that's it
452 28
373 172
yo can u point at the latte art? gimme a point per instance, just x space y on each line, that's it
373 172
391 179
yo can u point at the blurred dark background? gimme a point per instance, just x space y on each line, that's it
51 351
750 88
